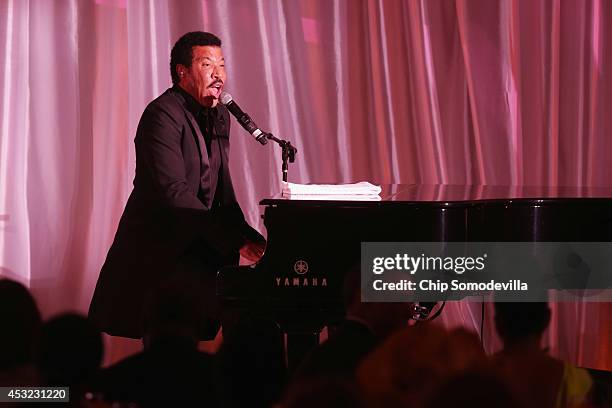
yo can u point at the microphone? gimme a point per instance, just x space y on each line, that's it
245 120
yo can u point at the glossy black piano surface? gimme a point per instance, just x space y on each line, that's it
312 243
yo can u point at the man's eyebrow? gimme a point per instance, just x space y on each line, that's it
208 58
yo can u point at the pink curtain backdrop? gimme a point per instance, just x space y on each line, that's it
510 92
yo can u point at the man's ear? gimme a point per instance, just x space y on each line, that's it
181 70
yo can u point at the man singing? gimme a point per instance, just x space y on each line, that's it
182 220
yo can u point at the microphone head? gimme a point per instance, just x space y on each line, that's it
225 98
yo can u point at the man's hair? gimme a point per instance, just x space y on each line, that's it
182 52
517 320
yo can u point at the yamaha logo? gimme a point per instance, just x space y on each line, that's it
300 267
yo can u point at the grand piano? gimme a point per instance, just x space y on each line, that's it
312 243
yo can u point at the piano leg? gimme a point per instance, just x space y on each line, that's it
298 345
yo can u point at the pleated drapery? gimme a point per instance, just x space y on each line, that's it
507 92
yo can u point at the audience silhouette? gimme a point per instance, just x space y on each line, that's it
411 364
251 367
540 379
21 323
374 359
70 353
170 371
365 325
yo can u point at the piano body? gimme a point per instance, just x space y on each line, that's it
311 243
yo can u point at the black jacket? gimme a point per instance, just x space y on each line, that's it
182 213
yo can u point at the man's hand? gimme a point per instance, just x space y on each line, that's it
251 252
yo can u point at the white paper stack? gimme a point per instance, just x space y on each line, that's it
363 191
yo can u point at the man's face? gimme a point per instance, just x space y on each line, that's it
205 78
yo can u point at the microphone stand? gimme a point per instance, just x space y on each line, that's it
288 152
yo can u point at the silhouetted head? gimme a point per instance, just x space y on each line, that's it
71 350
413 361
517 321
20 321
173 312
382 317
251 364
324 392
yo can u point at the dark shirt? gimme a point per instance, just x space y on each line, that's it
207 119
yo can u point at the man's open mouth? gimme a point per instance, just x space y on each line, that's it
216 88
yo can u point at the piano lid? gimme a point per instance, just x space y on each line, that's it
449 194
